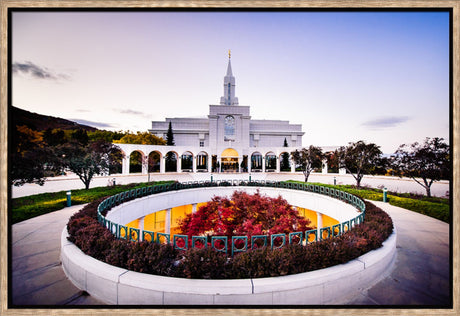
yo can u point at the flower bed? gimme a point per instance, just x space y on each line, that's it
97 241
244 214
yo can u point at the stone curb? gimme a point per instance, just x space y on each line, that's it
119 286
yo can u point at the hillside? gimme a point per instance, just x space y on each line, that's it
41 122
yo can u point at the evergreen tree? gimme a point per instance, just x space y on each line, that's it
80 136
171 160
285 158
54 137
170 136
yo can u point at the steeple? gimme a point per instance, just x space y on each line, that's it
229 69
229 86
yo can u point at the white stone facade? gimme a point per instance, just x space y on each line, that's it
229 136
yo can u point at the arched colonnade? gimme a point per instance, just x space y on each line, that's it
198 159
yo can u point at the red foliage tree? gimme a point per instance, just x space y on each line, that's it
244 215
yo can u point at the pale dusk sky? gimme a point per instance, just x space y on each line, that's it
381 77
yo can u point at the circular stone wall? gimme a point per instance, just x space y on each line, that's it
332 285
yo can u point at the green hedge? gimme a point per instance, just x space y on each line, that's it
439 211
435 207
27 207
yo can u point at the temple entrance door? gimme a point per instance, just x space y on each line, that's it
229 164
229 160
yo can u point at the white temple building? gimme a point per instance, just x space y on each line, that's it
227 140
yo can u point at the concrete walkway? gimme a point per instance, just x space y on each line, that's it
71 182
37 275
421 271
420 275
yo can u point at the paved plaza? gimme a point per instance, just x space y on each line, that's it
420 274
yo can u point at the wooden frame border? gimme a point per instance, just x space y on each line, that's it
455 133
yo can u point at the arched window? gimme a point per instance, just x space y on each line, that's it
229 94
229 131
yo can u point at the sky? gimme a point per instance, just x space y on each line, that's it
380 77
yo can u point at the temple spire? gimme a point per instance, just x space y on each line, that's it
229 69
229 85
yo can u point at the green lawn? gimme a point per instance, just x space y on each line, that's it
432 206
35 205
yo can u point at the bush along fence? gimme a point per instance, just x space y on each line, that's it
222 243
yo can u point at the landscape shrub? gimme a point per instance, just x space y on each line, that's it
243 214
205 264
438 210
159 259
147 257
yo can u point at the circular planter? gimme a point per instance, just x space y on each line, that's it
333 285
128 211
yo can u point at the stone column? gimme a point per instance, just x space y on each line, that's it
319 223
168 221
162 164
219 160
263 163
125 165
278 164
179 164
324 170
145 164
141 223
249 164
194 164
292 165
209 162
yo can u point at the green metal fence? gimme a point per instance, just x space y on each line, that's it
238 243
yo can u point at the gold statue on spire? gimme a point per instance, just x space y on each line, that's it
229 54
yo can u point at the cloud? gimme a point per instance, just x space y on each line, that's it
386 122
91 123
132 112
36 71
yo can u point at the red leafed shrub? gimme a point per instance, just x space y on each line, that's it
96 241
205 264
244 214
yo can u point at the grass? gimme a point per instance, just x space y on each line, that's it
27 207
35 205
435 207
